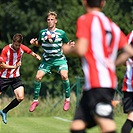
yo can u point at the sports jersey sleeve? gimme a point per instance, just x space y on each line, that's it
64 37
4 53
82 28
39 38
123 40
26 49
130 38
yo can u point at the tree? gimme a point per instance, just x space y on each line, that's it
28 18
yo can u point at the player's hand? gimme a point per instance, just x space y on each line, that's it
33 41
18 64
69 47
71 44
37 56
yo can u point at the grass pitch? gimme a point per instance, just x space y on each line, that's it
46 125
43 120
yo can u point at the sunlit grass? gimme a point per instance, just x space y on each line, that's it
48 117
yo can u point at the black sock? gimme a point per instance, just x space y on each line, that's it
13 104
127 127
82 131
78 131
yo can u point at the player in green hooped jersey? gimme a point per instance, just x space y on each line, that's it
53 57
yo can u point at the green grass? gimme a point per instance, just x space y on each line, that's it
43 120
45 125
34 125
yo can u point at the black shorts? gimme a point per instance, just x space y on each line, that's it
128 102
13 82
95 102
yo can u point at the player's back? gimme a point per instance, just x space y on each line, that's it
105 38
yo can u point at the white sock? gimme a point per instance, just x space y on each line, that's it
36 100
68 99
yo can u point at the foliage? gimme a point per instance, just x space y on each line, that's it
29 17
121 12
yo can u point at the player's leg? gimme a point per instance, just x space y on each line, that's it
128 109
66 84
77 126
37 86
103 124
18 89
127 126
3 87
19 93
103 110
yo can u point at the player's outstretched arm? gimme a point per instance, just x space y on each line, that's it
36 55
79 48
122 58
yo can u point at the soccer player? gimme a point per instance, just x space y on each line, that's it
5 66
53 57
99 40
12 55
128 91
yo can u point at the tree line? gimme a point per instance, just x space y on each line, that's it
29 17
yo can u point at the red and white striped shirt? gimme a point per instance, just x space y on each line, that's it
105 38
12 57
128 77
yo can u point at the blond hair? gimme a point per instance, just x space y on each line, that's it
52 13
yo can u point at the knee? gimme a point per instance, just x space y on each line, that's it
20 98
38 78
64 76
77 125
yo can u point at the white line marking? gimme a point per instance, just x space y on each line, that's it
63 119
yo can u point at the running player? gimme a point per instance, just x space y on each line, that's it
99 40
12 55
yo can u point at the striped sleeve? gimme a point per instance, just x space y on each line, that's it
26 49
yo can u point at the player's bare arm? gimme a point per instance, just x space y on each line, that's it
36 55
6 66
79 48
125 55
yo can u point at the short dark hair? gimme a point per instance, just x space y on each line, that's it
94 3
17 38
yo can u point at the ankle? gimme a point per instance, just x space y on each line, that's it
68 99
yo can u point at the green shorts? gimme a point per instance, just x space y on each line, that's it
57 65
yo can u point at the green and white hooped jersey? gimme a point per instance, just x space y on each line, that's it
53 51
